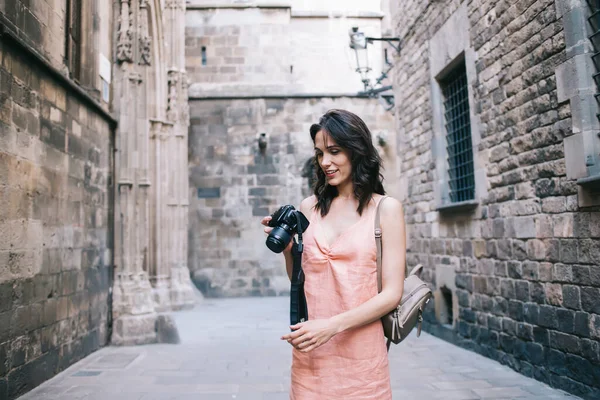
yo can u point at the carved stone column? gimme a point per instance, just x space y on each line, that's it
183 294
134 313
160 132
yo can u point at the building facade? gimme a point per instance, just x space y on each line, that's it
260 74
499 160
93 181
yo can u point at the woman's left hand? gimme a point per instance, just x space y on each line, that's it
309 335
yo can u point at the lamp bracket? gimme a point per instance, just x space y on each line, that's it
388 41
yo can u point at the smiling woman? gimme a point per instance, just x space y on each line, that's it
343 141
340 352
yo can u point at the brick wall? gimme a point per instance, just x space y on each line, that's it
55 212
238 185
523 267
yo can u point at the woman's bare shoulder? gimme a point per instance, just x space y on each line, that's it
307 205
391 207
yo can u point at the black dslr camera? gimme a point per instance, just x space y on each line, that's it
285 223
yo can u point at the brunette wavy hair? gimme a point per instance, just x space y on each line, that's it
350 133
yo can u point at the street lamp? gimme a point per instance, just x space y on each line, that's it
359 42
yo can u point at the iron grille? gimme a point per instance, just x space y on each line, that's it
594 21
458 135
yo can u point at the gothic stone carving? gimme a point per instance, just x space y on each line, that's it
177 4
125 35
145 40
173 79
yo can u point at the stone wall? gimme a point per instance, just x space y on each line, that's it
279 50
518 278
233 184
56 145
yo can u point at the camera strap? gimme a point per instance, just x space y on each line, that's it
298 307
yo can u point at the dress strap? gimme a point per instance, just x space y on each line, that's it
378 242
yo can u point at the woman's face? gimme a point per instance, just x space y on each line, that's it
333 160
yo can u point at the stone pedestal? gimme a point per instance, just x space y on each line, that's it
133 310
161 293
183 295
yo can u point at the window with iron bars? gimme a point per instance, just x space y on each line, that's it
73 39
459 146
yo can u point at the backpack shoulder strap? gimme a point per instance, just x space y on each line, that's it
378 242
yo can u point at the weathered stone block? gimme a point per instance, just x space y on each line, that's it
500 306
524 227
565 342
562 273
571 297
568 251
5 326
547 317
554 205
589 299
522 290
507 288
536 249
515 270
590 349
556 361
582 324
519 249
554 294
566 320
588 251
537 292
515 310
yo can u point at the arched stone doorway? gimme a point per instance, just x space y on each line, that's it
151 167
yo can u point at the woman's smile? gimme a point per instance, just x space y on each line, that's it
330 173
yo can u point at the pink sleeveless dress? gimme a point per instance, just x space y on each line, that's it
340 276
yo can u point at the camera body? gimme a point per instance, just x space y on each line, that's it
285 223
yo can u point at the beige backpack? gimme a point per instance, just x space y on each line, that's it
399 322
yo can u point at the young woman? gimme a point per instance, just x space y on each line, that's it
340 352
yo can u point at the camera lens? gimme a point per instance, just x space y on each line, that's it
278 239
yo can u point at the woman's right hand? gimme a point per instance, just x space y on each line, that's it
268 229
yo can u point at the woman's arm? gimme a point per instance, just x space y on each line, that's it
393 237
311 334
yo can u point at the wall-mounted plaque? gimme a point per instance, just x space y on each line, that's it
209 193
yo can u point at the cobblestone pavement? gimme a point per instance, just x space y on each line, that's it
230 349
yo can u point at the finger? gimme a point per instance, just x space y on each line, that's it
307 343
268 230
297 333
301 339
291 335
300 346
265 220
310 348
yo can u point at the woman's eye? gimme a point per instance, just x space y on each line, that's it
334 152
